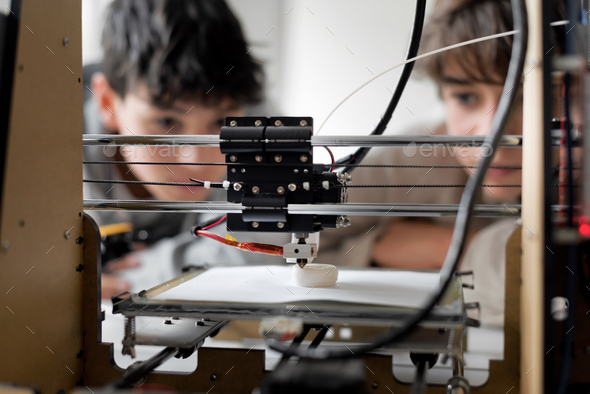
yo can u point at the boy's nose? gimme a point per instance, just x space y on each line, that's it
484 122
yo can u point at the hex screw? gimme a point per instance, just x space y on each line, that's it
233 123
280 224
255 224
281 190
303 158
233 158
255 190
278 158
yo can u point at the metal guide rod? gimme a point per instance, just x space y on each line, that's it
514 141
351 209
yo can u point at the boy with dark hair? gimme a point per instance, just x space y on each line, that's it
170 67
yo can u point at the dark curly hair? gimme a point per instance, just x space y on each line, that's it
187 49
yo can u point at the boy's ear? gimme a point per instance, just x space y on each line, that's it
107 100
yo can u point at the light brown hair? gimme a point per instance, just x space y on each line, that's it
456 21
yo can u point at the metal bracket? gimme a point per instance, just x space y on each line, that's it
473 322
467 273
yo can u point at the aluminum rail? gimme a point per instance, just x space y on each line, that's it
350 209
163 206
514 141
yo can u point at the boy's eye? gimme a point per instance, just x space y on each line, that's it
166 123
465 99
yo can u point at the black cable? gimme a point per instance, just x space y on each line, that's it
319 338
466 205
295 344
419 384
360 154
134 376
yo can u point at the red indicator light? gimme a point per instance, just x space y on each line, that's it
585 230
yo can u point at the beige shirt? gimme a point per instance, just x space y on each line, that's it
485 255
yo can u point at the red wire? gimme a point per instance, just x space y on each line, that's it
215 224
332 156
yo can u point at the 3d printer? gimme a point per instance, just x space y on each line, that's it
273 186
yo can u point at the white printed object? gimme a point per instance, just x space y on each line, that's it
315 275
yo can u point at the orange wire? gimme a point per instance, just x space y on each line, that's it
253 247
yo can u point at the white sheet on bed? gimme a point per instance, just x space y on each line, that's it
273 284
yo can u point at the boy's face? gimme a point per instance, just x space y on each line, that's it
470 110
136 115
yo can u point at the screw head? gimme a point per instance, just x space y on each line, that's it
255 224
281 190
303 123
237 186
233 123
233 170
278 123
67 235
280 224
255 190
278 158
303 158
258 158
243 170
5 246
296 171
258 123
292 187
66 41
167 321
233 158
